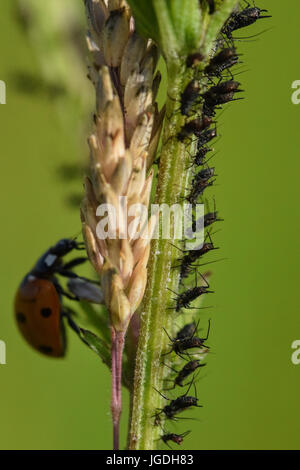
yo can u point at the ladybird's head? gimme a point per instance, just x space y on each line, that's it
64 246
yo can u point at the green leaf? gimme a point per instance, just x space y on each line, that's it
97 345
175 25
145 18
97 318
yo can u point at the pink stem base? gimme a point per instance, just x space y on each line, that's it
116 402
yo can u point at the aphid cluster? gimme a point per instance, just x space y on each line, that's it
211 85
182 345
200 100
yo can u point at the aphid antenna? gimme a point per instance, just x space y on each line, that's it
195 329
196 378
180 249
201 308
173 292
177 418
210 233
203 278
163 396
186 433
169 367
245 38
239 71
209 262
195 388
189 388
172 340
212 156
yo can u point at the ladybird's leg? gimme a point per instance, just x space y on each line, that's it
80 246
71 275
67 312
61 291
74 262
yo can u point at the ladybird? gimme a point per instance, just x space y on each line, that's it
38 306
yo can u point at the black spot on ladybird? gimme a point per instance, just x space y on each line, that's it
21 317
46 312
46 349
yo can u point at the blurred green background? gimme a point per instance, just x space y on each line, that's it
251 389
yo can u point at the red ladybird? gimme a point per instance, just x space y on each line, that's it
38 307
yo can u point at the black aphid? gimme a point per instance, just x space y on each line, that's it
180 346
198 189
177 405
184 299
177 438
196 126
210 218
224 60
242 19
219 94
194 59
185 372
211 5
204 175
186 332
199 157
205 137
194 255
189 96
224 87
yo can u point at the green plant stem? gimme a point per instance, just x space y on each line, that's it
157 313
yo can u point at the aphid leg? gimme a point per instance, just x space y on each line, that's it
208 330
